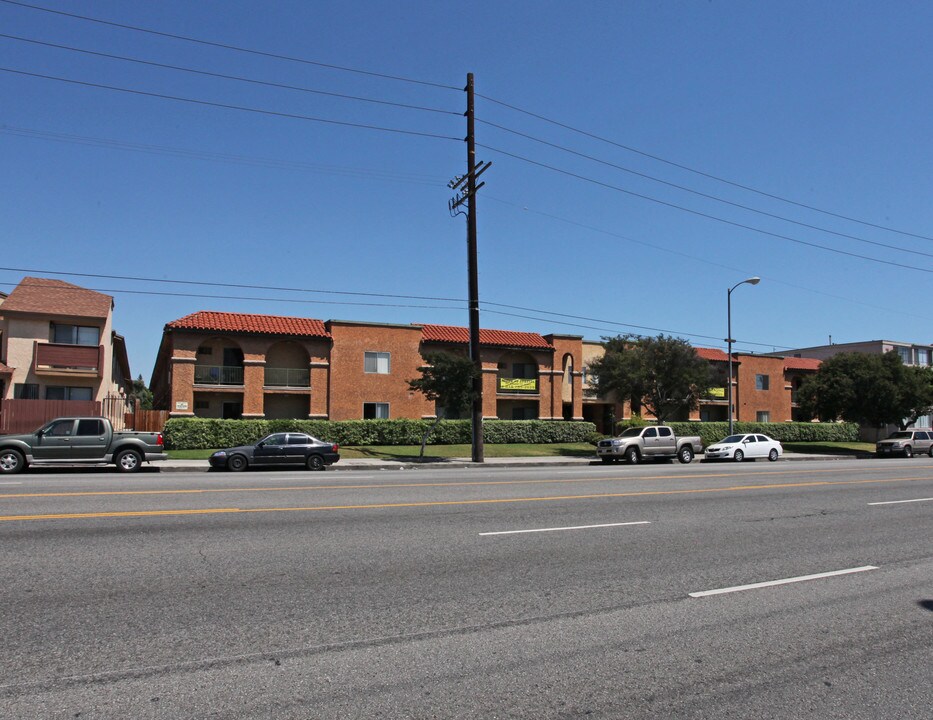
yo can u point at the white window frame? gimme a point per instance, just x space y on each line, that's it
377 406
762 382
380 362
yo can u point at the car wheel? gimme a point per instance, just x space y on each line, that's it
236 463
908 451
11 461
685 455
739 456
931 450
315 462
128 461
773 455
632 456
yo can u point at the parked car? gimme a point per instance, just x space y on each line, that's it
653 441
748 446
906 443
80 441
278 449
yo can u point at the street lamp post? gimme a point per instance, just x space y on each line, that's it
729 340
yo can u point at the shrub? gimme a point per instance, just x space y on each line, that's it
204 433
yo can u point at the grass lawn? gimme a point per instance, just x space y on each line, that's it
407 452
830 448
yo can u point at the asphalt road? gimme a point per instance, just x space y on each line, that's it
585 592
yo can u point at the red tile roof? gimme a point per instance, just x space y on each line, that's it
245 323
499 338
57 297
795 363
712 354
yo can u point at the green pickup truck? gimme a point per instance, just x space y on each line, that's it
80 441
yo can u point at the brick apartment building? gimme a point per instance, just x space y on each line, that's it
229 365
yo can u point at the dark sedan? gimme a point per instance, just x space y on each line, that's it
278 449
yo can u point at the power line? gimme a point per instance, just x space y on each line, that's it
232 77
702 194
235 48
226 106
697 258
340 292
90 141
699 172
702 214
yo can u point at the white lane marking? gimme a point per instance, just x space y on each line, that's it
555 529
898 502
785 581
10 483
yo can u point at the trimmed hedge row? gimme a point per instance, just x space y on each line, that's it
711 432
205 434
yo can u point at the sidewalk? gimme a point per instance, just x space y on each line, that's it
464 462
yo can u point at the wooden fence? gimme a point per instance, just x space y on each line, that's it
149 420
24 416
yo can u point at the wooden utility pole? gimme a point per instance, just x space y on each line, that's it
468 196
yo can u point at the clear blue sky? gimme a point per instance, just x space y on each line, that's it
825 104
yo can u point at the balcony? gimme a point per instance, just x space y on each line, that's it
520 386
287 377
714 394
61 359
218 375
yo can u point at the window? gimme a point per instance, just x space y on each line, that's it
205 350
62 428
524 370
296 439
921 436
63 392
650 432
762 416
375 411
376 362
923 356
761 438
202 404
664 432
277 439
26 391
90 427
762 382
75 334
905 355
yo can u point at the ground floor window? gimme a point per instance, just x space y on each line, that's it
64 392
26 391
375 411
763 416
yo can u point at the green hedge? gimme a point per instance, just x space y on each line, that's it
205 434
711 432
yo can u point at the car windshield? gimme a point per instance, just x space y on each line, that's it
732 439
897 435
631 432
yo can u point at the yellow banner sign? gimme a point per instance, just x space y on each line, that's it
717 392
518 383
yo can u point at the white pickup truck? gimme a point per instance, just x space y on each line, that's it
654 441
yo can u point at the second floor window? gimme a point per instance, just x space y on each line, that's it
762 382
75 334
376 362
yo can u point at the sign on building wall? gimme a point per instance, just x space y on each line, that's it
181 405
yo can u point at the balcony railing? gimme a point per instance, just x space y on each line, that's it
58 357
518 385
218 375
288 377
715 393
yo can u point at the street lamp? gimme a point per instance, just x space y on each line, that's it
729 340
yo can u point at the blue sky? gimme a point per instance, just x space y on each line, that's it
823 104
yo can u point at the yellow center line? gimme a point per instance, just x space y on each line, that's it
444 503
388 486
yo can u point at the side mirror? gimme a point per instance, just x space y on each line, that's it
261 443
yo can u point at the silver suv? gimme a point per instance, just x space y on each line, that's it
907 443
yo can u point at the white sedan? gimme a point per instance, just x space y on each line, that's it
741 447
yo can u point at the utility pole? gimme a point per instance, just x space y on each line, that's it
468 196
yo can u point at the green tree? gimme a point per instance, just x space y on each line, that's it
873 390
141 393
447 380
664 374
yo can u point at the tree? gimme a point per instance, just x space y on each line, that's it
872 390
141 393
447 380
664 374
